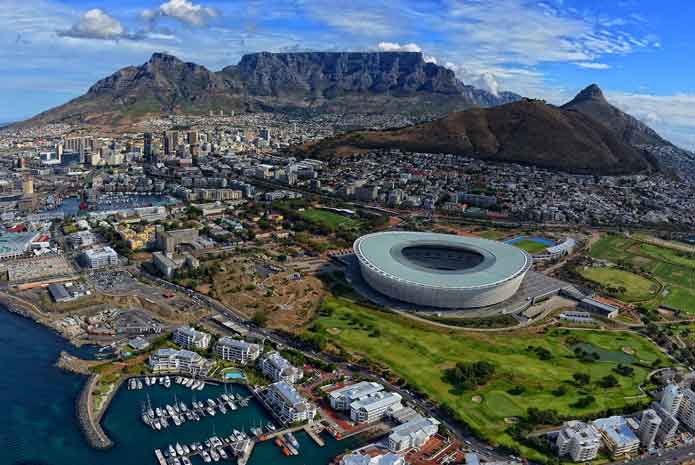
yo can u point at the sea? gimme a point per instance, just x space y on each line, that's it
39 426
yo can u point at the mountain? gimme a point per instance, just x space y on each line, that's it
527 132
317 81
593 103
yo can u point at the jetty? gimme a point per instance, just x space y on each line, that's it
314 435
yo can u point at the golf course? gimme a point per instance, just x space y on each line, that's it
532 368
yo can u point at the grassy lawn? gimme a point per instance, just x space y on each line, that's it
329 219
637 288
420 353
674 269
530 246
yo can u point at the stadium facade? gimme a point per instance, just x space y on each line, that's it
441 270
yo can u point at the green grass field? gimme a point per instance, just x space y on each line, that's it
637 288
420 353
329 219
675 270
530 246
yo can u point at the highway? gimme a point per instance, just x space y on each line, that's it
668 456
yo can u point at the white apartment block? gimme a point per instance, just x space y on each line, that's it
686 411
342 398
237 350
189 338
649 427
288 404
617 435
579 441
671 399
373 408
177 361
275 367
100 257
413 434
669 424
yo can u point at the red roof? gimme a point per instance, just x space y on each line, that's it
17 228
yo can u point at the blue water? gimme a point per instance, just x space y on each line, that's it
39 425
540 240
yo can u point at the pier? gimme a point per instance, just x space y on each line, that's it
314 435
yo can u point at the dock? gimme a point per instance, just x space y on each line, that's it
313 435
246 453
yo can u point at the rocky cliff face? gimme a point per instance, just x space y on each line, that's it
322 81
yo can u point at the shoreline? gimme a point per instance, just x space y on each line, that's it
90 426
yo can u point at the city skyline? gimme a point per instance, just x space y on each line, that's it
546 50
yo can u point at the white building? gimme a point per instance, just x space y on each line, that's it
373 408
100 257
649 427
381 459
617 435
413 434
342 398
177 361
228 348
189 338
81 239
288 404
671 399
669 424
579 441
686 410
275 367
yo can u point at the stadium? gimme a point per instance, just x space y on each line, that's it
441 270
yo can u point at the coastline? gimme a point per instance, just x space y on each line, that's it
90 426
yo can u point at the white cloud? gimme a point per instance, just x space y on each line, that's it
396 47
183 11
672 116
97 24
591 65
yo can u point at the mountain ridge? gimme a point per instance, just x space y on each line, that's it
370 81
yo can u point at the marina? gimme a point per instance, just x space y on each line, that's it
44 414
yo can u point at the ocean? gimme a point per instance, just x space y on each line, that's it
40 427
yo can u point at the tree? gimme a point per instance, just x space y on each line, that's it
581 378
260 319
608 381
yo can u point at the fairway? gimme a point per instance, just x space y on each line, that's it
420 354
674 269
637 288
328 219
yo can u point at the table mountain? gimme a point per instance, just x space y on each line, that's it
527 132
320 81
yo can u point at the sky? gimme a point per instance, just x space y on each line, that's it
640 52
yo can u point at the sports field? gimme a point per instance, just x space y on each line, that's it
329 219
420 353
636 288
530 246
672 268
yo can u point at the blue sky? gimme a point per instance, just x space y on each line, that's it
639 52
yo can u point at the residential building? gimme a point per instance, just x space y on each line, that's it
342 398
275 367
355 458
686 411
373 408
413 434
288 404
649 427
177 361
228 348
579 441
669 424
671 399
189 338
617 435
100 257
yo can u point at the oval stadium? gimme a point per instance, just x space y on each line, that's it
441 270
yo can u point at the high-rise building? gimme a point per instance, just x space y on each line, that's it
579 441
147 146
669 424
648 427
686 412
169 142
671 399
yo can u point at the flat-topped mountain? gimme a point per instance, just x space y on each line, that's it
337 81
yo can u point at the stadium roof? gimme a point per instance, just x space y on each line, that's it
384 253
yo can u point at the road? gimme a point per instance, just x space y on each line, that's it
668 456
